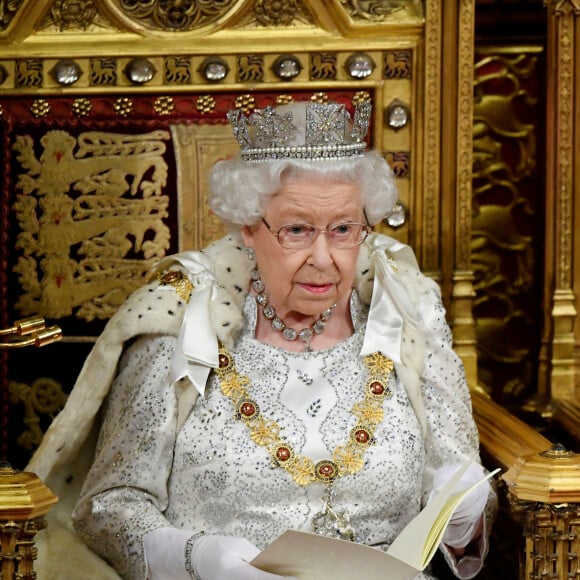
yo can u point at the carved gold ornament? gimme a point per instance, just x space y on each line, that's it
71 14
103 72
44 397
277 12
323 66
284 99
503 217
177 70
176 14
246 102
205 104
164 105
250 68
101 194
123 106
321 98
379 10
29 73
8 9
361 97
40 108
82 107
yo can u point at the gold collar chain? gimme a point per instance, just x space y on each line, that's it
347 459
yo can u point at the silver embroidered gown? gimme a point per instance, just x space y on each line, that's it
210 476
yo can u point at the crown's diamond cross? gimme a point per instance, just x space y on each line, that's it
325 124
272 129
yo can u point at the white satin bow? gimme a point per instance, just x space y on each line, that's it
196 352
390 307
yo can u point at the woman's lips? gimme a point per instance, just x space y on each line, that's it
316 288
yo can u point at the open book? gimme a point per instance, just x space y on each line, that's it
311 557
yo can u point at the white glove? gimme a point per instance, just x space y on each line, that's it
465 522
212 557
226 558
165 554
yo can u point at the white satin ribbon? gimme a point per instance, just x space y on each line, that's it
390 306
196 352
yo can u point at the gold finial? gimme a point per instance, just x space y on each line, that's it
29 332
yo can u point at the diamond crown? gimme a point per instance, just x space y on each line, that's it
302 130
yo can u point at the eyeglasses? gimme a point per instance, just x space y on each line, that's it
300 236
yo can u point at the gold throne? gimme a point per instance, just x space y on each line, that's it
111 113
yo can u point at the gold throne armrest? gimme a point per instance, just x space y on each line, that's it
539 493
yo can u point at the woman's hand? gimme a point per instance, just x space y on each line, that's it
466 523
226 558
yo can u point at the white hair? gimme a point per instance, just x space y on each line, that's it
240 191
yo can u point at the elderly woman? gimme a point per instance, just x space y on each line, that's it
297 374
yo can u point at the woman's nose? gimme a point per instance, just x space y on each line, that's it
321 252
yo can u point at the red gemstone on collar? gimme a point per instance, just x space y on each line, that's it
362 436
326 470
377 388
224 361
247 409
283 454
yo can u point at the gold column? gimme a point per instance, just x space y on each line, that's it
24 501
556 376
457 170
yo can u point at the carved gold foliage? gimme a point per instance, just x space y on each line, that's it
563 7
71 14
175 14
502 251
279 12
44 397
8 9
274 14
380 10
432 136
90 211
464 134
563 184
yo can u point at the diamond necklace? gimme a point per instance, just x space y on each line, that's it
306 334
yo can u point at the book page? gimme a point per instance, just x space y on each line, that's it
310 556
417 543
